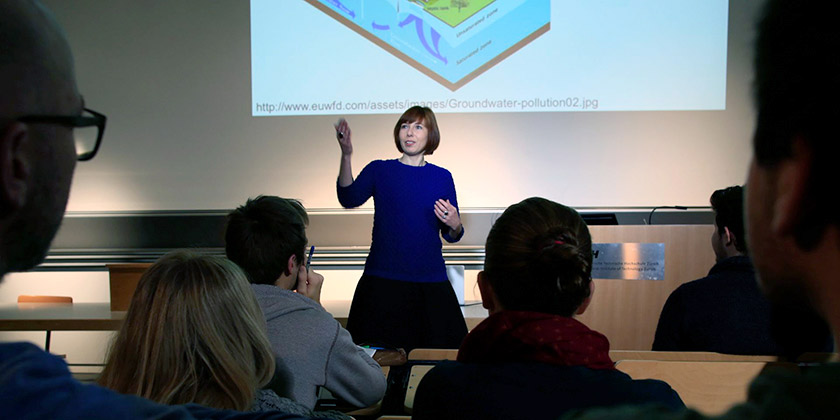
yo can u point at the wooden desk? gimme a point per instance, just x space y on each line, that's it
710 387
60 317
687 356
100 317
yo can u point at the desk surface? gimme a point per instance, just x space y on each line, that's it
100 317
60 317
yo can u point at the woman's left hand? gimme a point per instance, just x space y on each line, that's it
448 214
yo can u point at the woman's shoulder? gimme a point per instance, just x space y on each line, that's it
394 165
438 169
381 164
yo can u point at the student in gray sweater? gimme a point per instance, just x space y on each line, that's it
267 237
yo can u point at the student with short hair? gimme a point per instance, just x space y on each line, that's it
266 237
725 312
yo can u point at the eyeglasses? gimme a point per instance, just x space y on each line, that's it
87 129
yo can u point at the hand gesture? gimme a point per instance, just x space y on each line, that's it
309 283
342 133
448 214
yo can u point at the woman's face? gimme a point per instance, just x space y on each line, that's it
413 137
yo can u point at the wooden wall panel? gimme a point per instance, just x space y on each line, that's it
627 311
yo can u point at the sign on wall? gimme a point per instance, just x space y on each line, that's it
628 261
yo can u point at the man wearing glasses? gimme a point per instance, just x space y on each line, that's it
44 129
39 108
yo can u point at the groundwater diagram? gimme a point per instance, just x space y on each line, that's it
450 41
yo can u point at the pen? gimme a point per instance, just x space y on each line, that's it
309 258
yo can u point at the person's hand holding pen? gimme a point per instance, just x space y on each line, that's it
345 168
309 282
343 134
309 257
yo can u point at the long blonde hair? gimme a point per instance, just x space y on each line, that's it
193 333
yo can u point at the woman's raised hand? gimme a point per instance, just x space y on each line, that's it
342 133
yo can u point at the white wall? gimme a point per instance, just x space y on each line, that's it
83 287
174 79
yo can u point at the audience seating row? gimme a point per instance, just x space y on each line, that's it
616 355
709 382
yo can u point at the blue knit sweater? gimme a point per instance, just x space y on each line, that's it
405 242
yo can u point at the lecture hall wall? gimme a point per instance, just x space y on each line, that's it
173 77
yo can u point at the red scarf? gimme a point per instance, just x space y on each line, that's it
519 336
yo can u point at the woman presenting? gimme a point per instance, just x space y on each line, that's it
404 299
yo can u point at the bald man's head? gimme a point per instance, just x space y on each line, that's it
36 65
37 157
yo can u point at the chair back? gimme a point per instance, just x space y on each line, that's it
414 378
44 299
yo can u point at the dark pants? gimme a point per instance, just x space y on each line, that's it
400 314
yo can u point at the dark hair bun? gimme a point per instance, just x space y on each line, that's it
559 258
539 257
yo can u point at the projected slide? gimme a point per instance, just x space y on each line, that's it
316 57
449 41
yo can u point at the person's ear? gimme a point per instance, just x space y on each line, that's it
291 265
15 167
791 188
582 308
728 237
488 295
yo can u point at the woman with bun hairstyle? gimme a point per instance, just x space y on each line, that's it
404 298
530 358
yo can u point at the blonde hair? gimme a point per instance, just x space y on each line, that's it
193 333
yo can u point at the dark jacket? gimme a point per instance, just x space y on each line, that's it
777 394
37 385
529 390
726 312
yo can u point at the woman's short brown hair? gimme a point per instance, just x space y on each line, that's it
427 116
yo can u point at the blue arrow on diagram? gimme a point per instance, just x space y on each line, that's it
418 24
341 7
